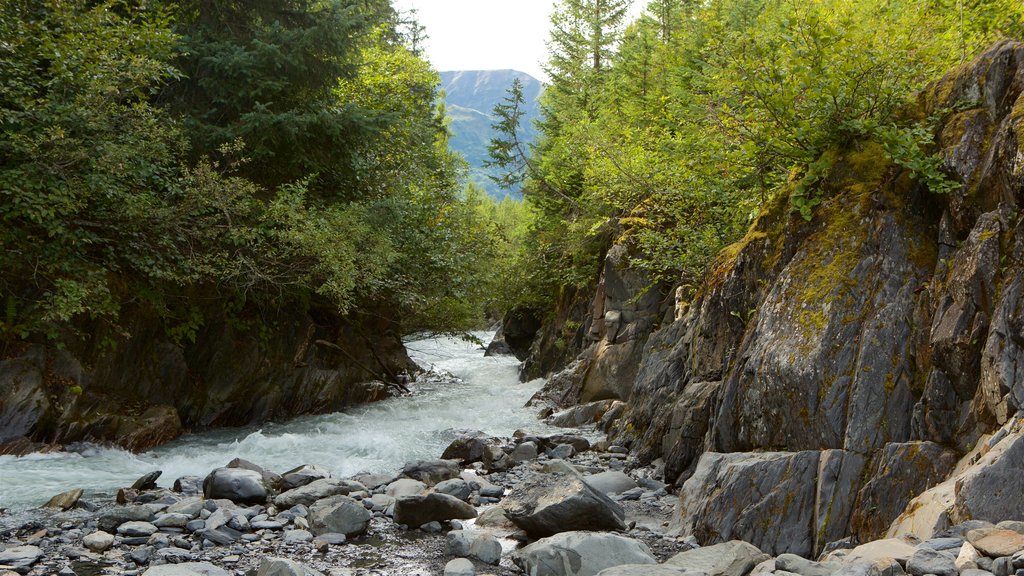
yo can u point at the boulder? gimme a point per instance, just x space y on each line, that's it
186 569
495 459
581 554
65 500
19 558
190 485
98 541
136 529
797 565
546 504
890 548
239 485
610 482
468 448
733 558
317 490
459 567
996 543
269 478
495 518
301 476
431 472
111 518
339 514
580 415
147 481
471 543
405 487
647 570
415 511
926 561
456 487
524 452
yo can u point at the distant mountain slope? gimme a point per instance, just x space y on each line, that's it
471 96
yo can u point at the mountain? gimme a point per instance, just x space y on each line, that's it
471 96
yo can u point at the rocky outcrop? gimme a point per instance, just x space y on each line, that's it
143 387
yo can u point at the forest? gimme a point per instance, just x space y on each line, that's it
249 154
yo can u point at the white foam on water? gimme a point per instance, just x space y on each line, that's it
378 437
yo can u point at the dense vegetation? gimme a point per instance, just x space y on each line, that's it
669 133
196 156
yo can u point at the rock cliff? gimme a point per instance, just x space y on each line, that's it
829 371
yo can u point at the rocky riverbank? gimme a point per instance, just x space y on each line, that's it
556 505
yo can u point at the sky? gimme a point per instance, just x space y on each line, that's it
486 34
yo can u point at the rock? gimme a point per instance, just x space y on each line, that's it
891 548
580 415
172 520
301 476
581 554
558 466
111 518
471 543
646 570
495 459
190 485
284 567
468 448
269 478
339 514
239 485
797 565
420 509
976 572
1015 525
546 504
147 481
925 561
186 569
1003 566
431 472
610 482
524 452
733 558
20 557
221 536
190 506
456 487
578 443
967 558
996 543
494 518
65 500
405 487
295 536
136 529
562 452
174 555
98 541
944 544
459 567
307 494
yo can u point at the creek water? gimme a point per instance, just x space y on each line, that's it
485 394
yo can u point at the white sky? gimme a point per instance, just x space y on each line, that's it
487 34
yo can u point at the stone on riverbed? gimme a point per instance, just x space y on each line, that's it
996 543
735 558
928 561
339 514
301 476
468 448
431 472
239 485
98 541
20 557
546 504
459 567
647 570
186 569
136 529
65 500
284 567
470 543
405 487
418 510
456 487
581 553
610 482
317 490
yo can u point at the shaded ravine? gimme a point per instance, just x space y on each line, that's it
485 395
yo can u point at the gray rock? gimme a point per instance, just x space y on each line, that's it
174 555
803 567
1015 525
136 529
562 451
581 414
190 485
976 572
432 527
65 500
492 491
558 466
186 569
111 518
610 482
332 538
470 543
495 459
546 504
221 536
456 487
420 509
142 555
284 567
98 541
524 452
269 478
1003 566
147 481
301 476
195 525
190 506
647 570
459 567
317 490
236 484
733 558
581 554
172 521
339 514
294 536
468 448
943 544
20 557
405 487
579 443
431 472
927 561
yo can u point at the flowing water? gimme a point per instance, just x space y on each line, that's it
485 395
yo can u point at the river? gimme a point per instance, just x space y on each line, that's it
485 395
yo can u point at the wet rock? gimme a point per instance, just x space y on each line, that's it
456 487
317 490
186 569
301 476
421 509
147 481
431 472
65 500
581 553
20 557
459 567
546 504
610 482
925 561
468 448
996 543
190 485
240 485
98 541
471 543
733 558
339 514
136 529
